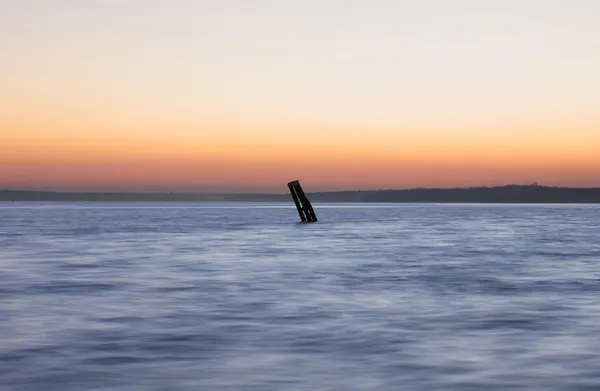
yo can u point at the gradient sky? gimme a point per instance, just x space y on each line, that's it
245 95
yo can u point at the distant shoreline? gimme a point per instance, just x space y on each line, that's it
500 194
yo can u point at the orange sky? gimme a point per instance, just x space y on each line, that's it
47 155
247 98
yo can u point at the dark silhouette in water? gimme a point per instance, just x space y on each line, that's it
305 209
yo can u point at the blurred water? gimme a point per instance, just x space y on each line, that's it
140 296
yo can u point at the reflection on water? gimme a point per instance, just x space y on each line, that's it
240 296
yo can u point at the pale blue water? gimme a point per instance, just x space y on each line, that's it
240 297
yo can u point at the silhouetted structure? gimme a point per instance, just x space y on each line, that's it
305 209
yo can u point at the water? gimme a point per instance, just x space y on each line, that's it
240 297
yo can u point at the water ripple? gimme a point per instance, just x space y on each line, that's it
127 297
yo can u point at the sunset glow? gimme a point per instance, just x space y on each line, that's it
233 96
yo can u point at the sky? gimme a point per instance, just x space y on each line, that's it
246 95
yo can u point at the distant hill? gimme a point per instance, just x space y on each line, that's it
500 194
27 195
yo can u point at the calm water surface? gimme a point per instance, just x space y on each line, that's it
135 296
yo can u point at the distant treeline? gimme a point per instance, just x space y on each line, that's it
500 194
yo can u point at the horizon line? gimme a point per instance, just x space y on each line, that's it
534 184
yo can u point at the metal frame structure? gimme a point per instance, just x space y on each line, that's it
305 209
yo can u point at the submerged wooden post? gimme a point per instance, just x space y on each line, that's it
305 209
